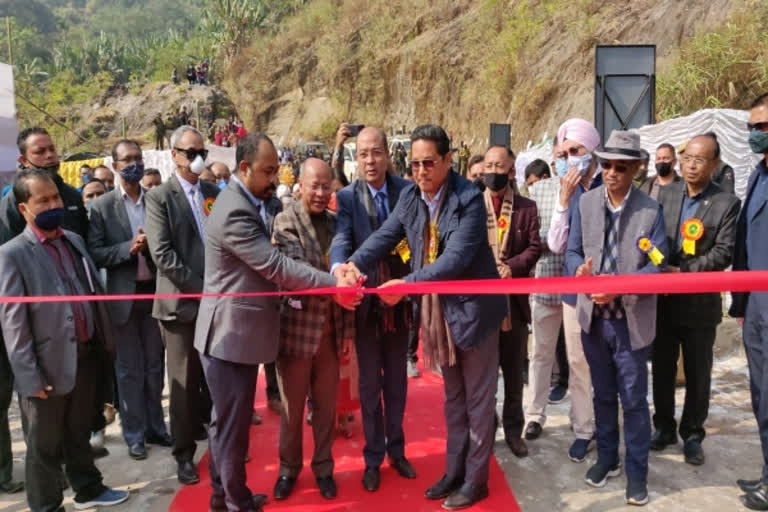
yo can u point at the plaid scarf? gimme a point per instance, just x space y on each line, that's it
498 233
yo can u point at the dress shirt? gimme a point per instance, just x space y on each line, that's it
616 209
375 191
135 211
434 203
195 198
688 211
559 225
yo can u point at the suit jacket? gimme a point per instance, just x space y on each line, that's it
463 253
648 183
758 233
718 211
303 319
40 337
354 224
725 178
239 257
640 216
176 248
109 241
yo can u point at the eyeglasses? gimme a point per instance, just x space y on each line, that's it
698 160
608 165
191 153
762 126
418 164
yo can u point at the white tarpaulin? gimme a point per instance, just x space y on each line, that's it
729 125
162 160
8 127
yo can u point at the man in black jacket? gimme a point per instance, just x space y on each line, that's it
700 220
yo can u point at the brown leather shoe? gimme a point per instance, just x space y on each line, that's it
255 419
518 447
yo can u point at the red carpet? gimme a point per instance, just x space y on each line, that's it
425 438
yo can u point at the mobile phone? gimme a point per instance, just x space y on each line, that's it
355 129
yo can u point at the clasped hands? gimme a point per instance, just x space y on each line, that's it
597 298
348 275
139 242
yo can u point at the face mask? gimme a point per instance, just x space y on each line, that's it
580 162
479 183
49 219
663 169
495 181
132 173
561 166
198 165
758 141
85 179
51 170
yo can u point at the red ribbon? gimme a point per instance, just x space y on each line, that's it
636 284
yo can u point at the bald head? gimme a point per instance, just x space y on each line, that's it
372 156
315 184
371 133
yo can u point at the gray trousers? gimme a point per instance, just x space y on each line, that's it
6 395
470 405
140 368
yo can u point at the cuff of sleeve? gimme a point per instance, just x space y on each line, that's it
560 209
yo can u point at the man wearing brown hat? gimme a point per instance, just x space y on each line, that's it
618 230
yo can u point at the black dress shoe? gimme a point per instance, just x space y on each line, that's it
371 479
517 445
661 439
465 497
403 467
218 503
12 487
327 487
444 488
137 451
160 440
187 473
284 487
757 499
533 430
693 452
748 485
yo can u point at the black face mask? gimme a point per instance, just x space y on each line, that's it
495 181
479 183
663 169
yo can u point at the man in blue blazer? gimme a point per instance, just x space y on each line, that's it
444 221
751 253
381 330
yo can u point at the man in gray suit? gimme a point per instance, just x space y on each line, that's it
240 258
54 347
175 226
622 230
117 243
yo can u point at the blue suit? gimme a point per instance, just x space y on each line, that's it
751 253
473 320
381 335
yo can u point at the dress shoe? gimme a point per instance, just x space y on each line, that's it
466 496
159 440
187 473
757 499
533 430
518 446
218 503
403 467
748 485
255 418
371 479
661 439
137 451
693 453
12 487
284 487
275 405
327 487
444 488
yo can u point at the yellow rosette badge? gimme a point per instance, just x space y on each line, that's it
503 225
692 230
403 250
208 205
654 254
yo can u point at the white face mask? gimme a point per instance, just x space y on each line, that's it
580 162
198 165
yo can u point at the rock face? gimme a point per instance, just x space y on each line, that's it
401 63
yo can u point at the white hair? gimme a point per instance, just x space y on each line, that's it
179 132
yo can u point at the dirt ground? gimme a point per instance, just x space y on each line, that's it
545 481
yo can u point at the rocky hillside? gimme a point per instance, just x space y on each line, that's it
460 63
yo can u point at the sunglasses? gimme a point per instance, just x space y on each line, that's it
418 164
763 126
191 153
607 165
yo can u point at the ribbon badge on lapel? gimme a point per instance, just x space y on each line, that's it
403 250
208 205
692 230
646 246
433 241
502 225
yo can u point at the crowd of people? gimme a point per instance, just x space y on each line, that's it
216 231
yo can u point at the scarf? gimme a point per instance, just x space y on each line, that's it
498 233
438 346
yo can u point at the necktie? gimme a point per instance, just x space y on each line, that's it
197 209
380 201
66 265
611 260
